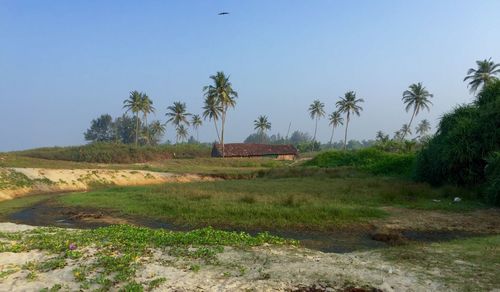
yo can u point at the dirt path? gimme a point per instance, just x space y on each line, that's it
16 182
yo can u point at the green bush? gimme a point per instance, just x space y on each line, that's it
118 153
369 159
493 179
465 138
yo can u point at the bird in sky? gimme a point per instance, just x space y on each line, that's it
224 13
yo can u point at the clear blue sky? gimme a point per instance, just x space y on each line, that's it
63 63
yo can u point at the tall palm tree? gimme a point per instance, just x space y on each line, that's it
134 103
405 129
222 91
485 72
182 133
262 125
334 120
423 128
316 111
349 104
418 98
212 110
177 115
147 108
196 122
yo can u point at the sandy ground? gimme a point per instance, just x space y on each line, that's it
264 268
57 180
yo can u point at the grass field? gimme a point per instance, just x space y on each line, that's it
221 167
316 203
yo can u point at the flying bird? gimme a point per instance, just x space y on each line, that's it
223 13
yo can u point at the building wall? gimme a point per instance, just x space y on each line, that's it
286 157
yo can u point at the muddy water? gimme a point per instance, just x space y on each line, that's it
47 213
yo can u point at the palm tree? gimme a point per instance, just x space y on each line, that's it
212 110
349 104
182 133
423 128
224 96
335 120
156 130
381 136
405 129
316 111
262 125
485 73
134 103
196 122
177 115
147 108
416 97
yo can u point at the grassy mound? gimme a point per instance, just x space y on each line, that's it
372 160
117 153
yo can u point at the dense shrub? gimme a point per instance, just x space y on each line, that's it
492 189
118 153
369 159
465 138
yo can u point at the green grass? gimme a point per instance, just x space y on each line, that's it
471 264
227 168
286 203
375 161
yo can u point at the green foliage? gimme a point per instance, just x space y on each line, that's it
370 159
466 137
118 153
492 188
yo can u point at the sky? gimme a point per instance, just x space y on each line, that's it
64 63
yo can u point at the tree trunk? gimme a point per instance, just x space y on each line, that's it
217 130
331 137
345 135
409 124
136 127
315 129
222 129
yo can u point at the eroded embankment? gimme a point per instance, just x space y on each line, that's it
15 182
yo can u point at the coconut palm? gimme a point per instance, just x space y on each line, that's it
156 131
134 103
334 120
381 136
177 114
146 109
316 111
212 110
485 73
416 97
196 122
405 129
349 104
182 133
261 124
423 128
224 96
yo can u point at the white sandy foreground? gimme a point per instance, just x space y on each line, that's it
43 180
264 268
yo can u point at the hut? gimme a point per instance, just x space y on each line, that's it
279 152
